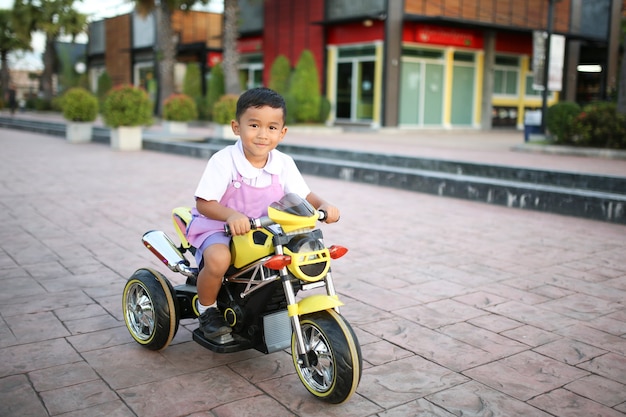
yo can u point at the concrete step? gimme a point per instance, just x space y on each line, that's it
596 197
589 196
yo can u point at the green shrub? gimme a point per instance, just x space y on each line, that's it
180 108
126 105
225 109
192 86
216 89
204 111
56 104
291 105
41 104
305 89
324 108
192 83
279 75
104 86
79 105
599 125
559 119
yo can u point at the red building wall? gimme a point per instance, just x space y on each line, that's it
345 33
291 27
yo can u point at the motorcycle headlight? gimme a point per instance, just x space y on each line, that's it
310 259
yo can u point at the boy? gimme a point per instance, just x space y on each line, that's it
240 182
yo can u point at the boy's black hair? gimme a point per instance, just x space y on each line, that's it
259 97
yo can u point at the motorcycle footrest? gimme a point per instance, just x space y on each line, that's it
228 343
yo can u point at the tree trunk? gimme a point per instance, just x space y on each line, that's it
231 55
48 69
621 92
5 77
166 54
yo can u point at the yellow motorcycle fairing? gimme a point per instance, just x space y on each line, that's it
312 304
181 216
248 248
291 222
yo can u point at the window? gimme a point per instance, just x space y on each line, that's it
422 53
506 76
251 71
464 57
530 91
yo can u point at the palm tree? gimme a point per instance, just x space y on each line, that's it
53 18
9 42
229 44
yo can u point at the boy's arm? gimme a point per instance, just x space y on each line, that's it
319 203
238 223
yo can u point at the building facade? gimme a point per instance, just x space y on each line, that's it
442 64
124 46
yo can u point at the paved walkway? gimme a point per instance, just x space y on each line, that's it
461 308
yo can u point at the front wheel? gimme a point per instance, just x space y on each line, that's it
150 309
334 356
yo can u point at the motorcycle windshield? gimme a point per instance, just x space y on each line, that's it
294 204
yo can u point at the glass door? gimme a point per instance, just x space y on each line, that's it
344 90
463 75
421 93
365 90
410 103
355 87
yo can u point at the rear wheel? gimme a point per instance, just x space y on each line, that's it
334 356
150 309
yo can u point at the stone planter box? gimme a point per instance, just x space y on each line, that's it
125 138
177 128
78 132
223 132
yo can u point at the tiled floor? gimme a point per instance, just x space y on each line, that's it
461 308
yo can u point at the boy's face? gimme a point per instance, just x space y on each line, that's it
261 129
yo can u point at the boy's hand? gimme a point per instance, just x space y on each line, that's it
332 213
238 223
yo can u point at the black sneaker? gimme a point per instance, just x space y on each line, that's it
212 323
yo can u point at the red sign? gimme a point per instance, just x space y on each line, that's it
447 36
213 58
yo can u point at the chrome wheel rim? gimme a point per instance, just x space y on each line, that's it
140 312
320 374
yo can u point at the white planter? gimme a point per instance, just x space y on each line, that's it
223 132
78 132
125 138
177 128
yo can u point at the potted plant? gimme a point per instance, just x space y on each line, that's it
178 109
126 109
223 113
80 109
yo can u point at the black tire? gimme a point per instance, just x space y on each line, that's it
150 309
334 355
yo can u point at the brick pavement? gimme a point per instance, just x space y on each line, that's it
461 308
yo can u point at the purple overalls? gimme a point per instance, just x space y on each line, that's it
246 199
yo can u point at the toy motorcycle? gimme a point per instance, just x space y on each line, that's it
282 255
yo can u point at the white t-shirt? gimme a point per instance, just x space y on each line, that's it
225 165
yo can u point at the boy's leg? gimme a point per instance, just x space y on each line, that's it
216 262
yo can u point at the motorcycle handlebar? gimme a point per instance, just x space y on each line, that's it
266 221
